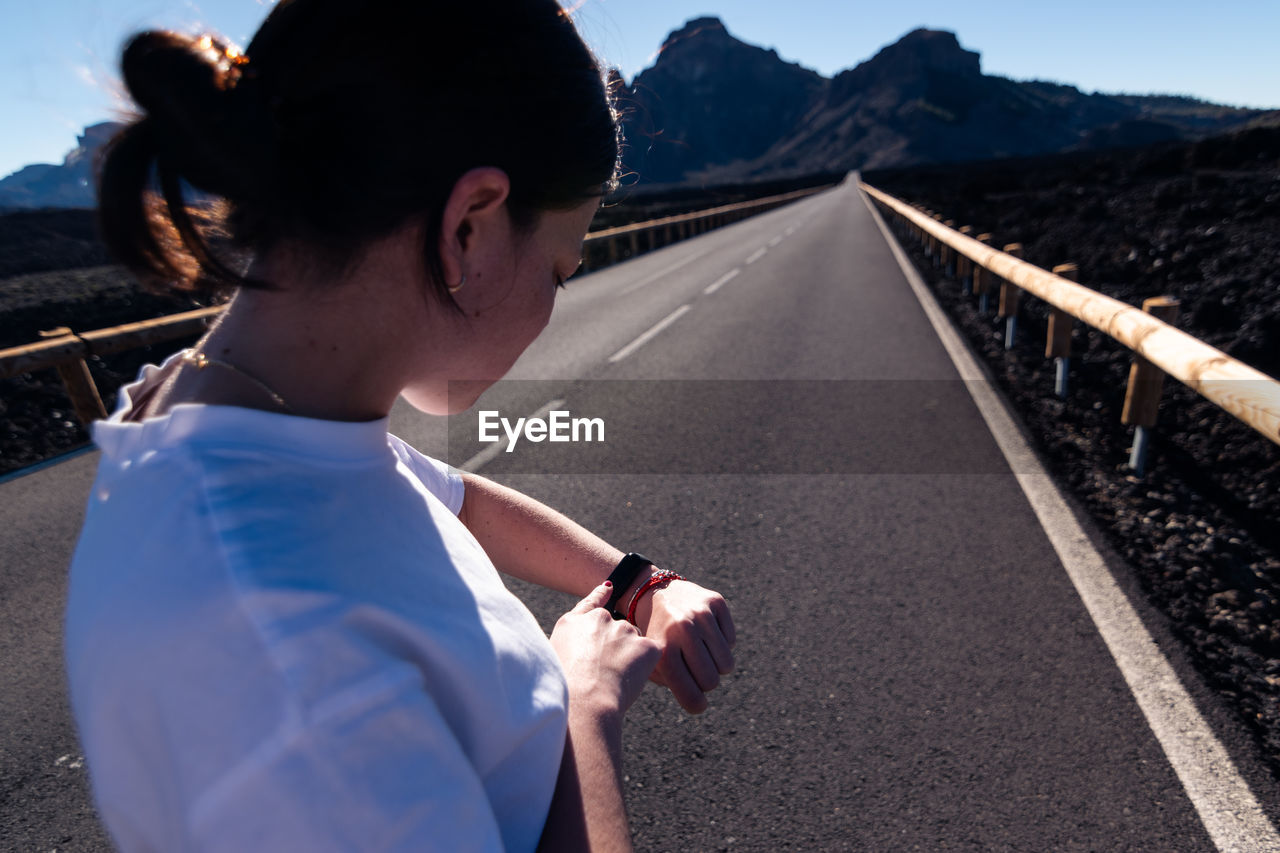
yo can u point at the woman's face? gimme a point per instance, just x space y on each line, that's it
507 301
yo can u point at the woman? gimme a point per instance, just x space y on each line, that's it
285 629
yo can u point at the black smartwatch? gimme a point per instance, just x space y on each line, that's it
623 576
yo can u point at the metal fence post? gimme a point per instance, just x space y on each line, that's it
1010 299
981 279
1146 382
960 268
1059 344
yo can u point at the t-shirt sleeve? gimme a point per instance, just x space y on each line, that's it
442 480
378 775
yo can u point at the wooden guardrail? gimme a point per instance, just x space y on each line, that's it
1159 348
67 351
624 240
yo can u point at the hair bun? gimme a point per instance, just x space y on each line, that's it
168 73
204 133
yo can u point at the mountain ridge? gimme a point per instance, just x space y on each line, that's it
921 99
713 109
67 185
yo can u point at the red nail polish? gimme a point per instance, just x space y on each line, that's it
608 583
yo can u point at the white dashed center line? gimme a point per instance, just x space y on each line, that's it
484 457
756 255
721 282
649 335
659 274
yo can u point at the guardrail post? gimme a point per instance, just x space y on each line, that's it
1010 299
981 277
961 266
1146 382
1059 344
76 378
635 243
613 250
947 256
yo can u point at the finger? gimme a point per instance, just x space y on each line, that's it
719 649
700 665
675 675
721 610
650 656
598 597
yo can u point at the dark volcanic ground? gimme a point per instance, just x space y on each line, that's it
1199 222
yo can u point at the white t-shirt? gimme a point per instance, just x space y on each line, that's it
279 636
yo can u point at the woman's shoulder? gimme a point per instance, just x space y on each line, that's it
440 478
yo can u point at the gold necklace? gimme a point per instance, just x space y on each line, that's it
200 361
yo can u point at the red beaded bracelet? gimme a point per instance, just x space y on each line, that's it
658 578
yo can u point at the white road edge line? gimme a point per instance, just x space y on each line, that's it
484 457
721 281
636 285
649 335
1227 808
756 255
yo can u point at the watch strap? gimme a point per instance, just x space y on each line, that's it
623 575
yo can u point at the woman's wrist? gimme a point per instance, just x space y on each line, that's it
629 572
658 580
624 600
593 713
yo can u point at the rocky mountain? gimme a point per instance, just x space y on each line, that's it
713 109
710 100
68 185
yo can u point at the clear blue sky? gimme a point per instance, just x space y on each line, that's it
57 57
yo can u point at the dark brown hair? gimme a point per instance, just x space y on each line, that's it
343 120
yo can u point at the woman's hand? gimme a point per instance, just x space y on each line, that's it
693 628
606 661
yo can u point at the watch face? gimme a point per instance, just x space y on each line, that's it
622 576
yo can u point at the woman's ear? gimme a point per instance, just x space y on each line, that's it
474 216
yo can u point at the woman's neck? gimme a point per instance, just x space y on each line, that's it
330 350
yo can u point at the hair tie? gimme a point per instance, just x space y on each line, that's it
227 58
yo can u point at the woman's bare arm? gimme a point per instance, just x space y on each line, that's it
605 664
529 540
587 809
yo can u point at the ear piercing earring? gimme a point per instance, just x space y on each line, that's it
456 287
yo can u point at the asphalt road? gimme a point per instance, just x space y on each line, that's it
916 671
